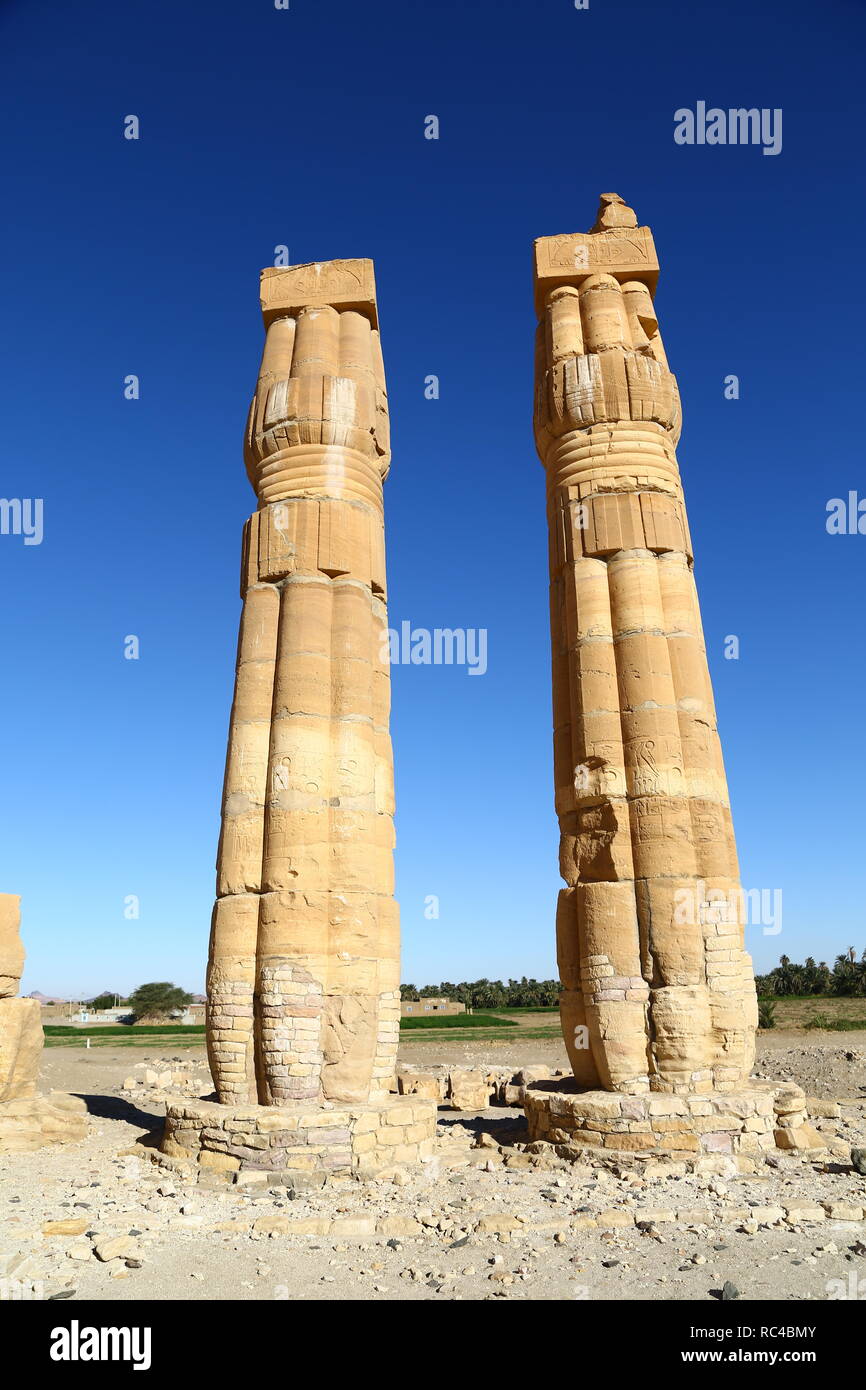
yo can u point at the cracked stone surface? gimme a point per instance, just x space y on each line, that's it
303 976
658 991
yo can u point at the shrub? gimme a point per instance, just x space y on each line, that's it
766 1013
157 1000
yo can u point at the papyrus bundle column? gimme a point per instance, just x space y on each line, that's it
657 988
303 977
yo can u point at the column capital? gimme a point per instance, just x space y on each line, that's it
317 284
616 246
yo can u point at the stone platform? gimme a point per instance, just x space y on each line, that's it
751 1121
299 1139
31 1122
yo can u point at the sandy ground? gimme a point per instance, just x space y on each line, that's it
211 1242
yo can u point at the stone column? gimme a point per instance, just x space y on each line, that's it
303 976
657 989
27 1120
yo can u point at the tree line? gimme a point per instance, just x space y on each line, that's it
846 979
490 994
155 1001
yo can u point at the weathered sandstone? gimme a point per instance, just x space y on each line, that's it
303 977
658 992
27 1120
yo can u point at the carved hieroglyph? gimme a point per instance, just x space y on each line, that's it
303 976
657 988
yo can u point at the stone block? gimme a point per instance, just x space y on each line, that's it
467 1090
11 945
32 1122
411 1083
305 1142
20 1047
803 1137
217 1162
614 1217
341 284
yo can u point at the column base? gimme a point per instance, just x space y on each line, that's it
751 1120
300 1139
35 1121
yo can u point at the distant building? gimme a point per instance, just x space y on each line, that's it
119 1013
60 1011
412 1008
193 1013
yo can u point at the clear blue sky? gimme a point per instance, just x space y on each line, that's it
305 127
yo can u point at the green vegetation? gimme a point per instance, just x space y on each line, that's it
490 994
105 1001
532 1009
795 1011
119 1031
846 980
484 1035
835 1025
159 999
766 1013
456 1021
191 1035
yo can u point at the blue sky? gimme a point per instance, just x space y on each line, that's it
305 128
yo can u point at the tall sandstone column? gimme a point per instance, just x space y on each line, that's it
303 975
658 991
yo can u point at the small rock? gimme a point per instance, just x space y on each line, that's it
114 1248
73 1226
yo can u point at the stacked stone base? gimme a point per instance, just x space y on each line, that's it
751 1121
34 1121
299 1139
